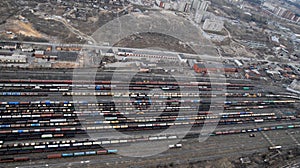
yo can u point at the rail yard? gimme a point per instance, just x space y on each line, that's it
150 83
42 123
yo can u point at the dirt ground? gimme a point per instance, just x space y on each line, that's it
26 29
154 40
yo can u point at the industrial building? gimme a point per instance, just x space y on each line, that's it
39 54
13 59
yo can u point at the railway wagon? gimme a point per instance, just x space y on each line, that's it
16 159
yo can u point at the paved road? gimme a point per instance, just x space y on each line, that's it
215 58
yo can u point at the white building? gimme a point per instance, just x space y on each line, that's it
200 10
181 6
294 87
13 59
182 58
213 25
269 5
238 63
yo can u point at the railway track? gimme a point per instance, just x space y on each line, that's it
50 124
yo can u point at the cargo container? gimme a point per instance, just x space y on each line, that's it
54 156
79 154
112 151
22 159
46 136
101 152
291 126
90 153
67 154
279 127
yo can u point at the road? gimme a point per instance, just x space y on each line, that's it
214 58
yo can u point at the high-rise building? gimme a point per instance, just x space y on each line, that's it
200 10
187 7
181 6
195 4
